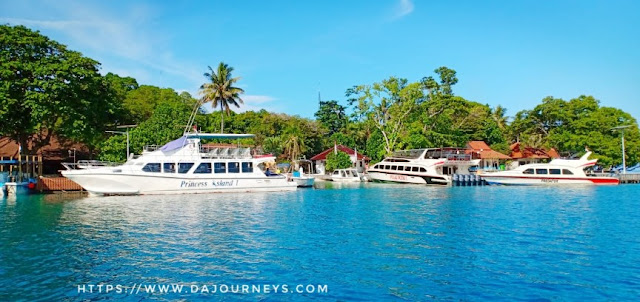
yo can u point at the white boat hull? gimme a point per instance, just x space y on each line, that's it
548 181
346 179
304 181
412 179
123 184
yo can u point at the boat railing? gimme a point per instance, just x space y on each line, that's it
89 164
458 157
225 152
151 148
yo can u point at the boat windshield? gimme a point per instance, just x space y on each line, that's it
411 154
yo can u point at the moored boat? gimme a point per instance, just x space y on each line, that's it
347 175
556 172
432 166
182 166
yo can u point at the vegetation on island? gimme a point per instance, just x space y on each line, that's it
47 89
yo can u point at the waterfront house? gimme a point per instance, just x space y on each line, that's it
490 160
53 154
523 155
359 160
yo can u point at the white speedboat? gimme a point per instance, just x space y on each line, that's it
182 166
346 175
556 172
432 166
303 180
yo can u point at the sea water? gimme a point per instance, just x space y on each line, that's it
339 242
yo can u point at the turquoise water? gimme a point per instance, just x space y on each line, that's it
364 242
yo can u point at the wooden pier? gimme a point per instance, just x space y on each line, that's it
629 178
56 184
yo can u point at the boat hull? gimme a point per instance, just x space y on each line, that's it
412 179
548 181
304 181
122 184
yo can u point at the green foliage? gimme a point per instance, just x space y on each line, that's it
165 124
140 103
47 89
387 105
570 126
339 160
332 115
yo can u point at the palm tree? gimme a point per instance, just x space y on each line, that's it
221 90
498 116
294 146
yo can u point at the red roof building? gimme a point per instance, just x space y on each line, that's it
481 148
323 155
489 158
520 152
359 160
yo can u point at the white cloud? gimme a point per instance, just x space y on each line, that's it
404 8
257 99
90 28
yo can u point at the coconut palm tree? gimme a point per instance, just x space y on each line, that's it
294 146
220 91
498 116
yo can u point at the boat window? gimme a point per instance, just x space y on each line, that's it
407 168
342 173
336 172
423 170
527 171
203 168
541 171
219 168
387 167
184 167
247 167
234 167
554 171
394 167
169 167
414 169
567 172
151 167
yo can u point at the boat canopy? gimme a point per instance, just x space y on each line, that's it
174 144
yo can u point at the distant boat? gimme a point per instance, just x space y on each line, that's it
299 177
432 166
347 175
179 167
557 172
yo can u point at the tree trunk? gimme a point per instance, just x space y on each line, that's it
221 118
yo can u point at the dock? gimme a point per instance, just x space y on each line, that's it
56 184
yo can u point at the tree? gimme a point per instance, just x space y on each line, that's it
47 89
221 90
498 115
387 106
569 126
332 115
339 160
140 103
164 125
294 146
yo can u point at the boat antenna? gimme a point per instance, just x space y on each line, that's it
192 117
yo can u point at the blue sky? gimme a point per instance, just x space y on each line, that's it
510 53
